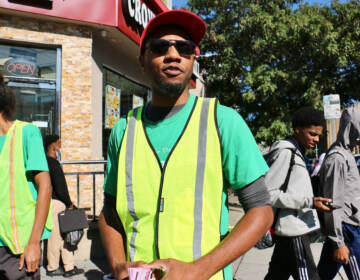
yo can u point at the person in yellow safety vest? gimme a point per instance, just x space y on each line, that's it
170 163
25 193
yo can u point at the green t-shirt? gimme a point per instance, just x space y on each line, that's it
34 160
242 161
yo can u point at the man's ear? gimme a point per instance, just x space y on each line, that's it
52 147
296 130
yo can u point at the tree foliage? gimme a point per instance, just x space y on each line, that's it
267 58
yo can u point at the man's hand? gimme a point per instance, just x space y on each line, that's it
32 252
31 257
319 204
342 254
177 270
121 270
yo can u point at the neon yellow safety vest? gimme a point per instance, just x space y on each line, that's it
172 211
17 207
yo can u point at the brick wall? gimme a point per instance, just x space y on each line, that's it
76 113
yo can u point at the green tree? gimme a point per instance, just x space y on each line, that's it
267 58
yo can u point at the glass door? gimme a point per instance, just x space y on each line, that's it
36 103
34 73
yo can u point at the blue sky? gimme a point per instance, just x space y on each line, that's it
181 3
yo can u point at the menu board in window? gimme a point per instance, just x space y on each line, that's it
112 105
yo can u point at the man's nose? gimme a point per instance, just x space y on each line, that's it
172 53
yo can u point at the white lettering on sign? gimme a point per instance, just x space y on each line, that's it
144 14
131 10
140 12
150 14
137 11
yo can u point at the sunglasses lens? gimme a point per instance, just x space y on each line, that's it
185 47
160 46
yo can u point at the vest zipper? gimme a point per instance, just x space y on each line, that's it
158 212
162 168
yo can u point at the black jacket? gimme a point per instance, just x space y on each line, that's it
58 182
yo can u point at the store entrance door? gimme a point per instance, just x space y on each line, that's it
36 103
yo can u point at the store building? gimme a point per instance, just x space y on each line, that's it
74 67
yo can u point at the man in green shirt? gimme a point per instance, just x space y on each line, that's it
162 132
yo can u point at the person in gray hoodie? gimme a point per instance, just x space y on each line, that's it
296 216
340 181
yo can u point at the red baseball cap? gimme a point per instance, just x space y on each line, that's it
193 24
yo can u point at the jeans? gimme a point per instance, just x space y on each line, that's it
328 268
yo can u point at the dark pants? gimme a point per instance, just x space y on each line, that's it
292 257
9 267
328 267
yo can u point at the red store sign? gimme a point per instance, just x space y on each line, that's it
130 16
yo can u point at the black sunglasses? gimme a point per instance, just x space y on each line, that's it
161 46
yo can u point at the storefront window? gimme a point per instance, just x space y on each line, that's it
27 62
120 96
32 73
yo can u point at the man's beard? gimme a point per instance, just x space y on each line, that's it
172 90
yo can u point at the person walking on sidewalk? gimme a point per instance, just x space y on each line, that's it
170 163
60 201
340 181
296 217
25 193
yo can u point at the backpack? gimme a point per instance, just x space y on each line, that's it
315 180
267 240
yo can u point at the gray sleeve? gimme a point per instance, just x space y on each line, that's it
254 195
276 177
332 176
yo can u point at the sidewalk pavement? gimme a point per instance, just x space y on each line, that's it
251 266
94 270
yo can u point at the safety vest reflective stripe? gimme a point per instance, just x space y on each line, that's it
12 181
129 181
200 179
18 206
12 190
